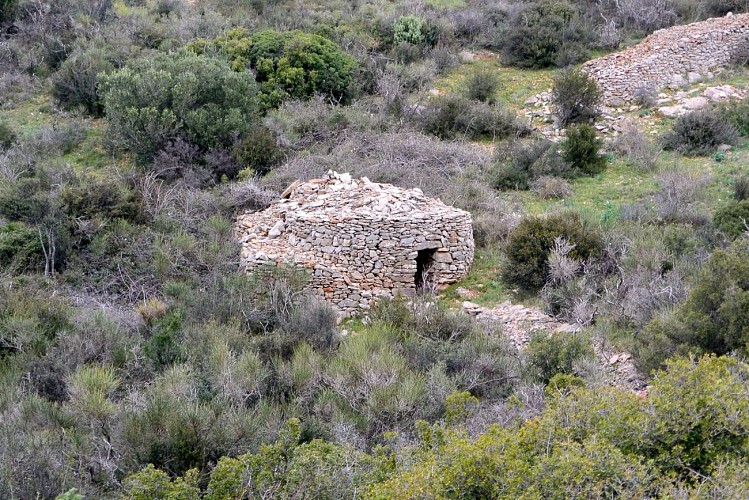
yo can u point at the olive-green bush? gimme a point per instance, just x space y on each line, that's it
575 96
733 219
700 133
152 101
545 33
581 151
529 246
76 83
287 65
714 318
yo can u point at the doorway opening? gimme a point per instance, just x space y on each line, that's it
424 262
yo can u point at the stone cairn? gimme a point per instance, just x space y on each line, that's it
359 240
672 57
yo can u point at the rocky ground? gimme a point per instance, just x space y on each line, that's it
519 323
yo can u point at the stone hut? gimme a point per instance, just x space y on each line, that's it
671 57
360 240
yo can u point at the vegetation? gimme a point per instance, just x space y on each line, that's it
138 361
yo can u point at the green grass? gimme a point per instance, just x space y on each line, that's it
483 279
515 85
447 4
90 154
30 116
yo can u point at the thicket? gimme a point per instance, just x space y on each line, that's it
155 100
288 65
634 447
531 242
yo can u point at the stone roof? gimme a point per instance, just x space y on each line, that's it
338 196
270 235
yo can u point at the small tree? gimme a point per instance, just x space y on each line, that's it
581 151
154 100
575 96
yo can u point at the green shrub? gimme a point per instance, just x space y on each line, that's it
408 29
575 96
733 219
287 65
452 117
482 85
76 83
519 164
20 247
737 113
103 198
7 136
530 244
700 133
8 10
713 319
545 33
550 354
154 100
581 151
258 150
163 349
741 188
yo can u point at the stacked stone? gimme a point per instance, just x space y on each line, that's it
360 240
671 57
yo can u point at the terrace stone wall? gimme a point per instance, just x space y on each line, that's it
671 57
359 240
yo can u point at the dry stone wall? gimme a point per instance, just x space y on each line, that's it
360 240
671 57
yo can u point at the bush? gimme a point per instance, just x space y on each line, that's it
154 100
733 219
700 133
287 65
452 117
7 136
482 85
8 11
712 320
636 148
580 150
545 33
575 96
408 29
532 241
76 83
737 112
519 164
741 189
19 247
550 354
258 151
548 187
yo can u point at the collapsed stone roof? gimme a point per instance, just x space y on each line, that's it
361 239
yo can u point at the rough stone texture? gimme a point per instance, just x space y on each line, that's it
360 240
519 323
671 57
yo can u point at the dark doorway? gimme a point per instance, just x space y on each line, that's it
424 262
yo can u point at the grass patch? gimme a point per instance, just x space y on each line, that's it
446 4
483 280
515 85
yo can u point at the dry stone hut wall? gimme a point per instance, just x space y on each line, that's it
360 240
671 57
